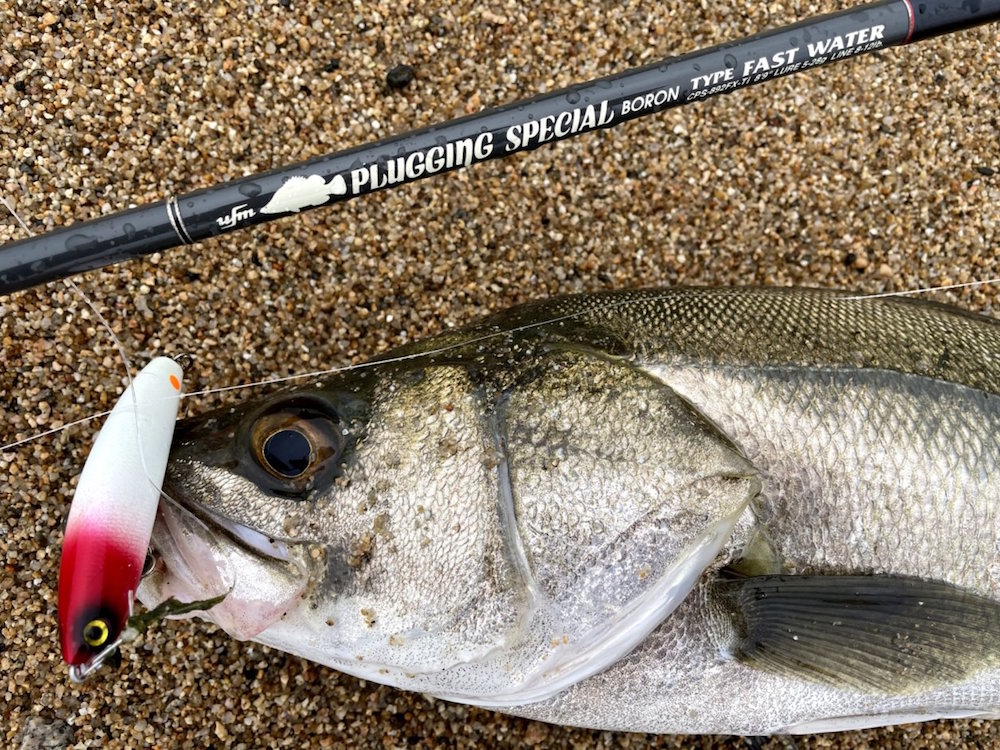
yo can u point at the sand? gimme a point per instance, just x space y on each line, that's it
875 174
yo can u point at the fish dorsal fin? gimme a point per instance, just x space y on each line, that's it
877 634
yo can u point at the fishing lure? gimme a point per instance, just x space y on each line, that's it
111 518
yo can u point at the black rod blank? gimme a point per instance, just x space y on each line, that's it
492 134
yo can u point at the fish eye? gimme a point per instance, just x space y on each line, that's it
298 444
287 453
95 633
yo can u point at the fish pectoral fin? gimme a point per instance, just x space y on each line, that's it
760 556
876 634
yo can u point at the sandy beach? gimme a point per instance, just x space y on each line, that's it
875 174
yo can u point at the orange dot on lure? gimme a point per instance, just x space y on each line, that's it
111 519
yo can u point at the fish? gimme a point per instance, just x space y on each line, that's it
689 510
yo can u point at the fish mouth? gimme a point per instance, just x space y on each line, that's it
199 555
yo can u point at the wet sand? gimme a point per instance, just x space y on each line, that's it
875 174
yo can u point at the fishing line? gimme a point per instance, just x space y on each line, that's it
342 368
130 492
526 327
451 347
126 363
911 292
54 430
491 134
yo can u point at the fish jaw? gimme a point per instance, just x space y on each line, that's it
197 560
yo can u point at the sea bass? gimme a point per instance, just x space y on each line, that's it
740 511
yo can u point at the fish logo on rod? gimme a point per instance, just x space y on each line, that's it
301 192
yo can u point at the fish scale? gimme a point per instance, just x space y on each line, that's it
742 325
812 469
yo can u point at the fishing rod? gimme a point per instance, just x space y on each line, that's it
491 134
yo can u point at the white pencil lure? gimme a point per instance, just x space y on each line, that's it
111 519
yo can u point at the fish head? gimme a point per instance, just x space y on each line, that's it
438 526
237 491
341 515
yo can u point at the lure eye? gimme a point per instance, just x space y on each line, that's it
287 453
298 444
95 633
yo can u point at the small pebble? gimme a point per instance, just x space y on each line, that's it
399 77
